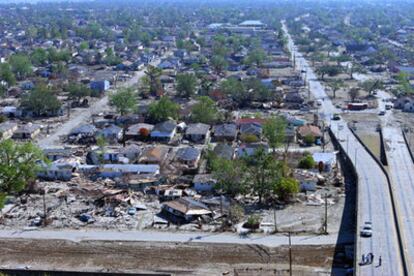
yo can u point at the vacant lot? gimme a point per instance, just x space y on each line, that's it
174 258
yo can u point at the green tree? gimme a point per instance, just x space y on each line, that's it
236 90
39 57
42 101
219 63
6 74
230 176
371 85
274 129
124 100
163 109
153 76
335 85
353 93
259 91
21 66
78 91
330 70
286 187
18 166
186 85
204 111
264 171
257 57
306 162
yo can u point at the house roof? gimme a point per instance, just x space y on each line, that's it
251 128
84 129
188 154
197 129
309 130
250 121
225 130
224 151
112 129
155 154
165 127
188 206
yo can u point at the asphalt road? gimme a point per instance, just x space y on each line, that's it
401 169
158 236
374 198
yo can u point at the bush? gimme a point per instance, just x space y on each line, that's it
309 139
249 138
236 213
253 222
286 188
306 162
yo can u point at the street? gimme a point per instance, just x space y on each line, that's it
158 236
83 115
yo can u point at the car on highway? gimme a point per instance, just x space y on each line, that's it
336 117
366 230
381 113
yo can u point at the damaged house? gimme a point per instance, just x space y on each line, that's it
185 209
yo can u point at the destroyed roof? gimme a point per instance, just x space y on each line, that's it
204 178
154 154
188 206
29 128
6 126
309 130
84 129
57 151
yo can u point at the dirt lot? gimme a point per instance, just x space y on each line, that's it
141 257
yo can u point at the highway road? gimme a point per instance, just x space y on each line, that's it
401 169
374 197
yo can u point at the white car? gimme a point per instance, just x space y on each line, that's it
366 230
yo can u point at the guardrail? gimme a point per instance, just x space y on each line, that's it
347 160
408 145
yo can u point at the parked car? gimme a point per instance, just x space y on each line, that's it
381 113
367 230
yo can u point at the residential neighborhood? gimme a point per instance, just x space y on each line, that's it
196 118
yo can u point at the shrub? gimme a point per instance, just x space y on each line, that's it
286 188
249 138
306 162
309 139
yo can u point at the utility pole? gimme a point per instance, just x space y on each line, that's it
44 207
323 136
274 218
290 255
326 214
355 158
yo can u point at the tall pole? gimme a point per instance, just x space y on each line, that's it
275 219
355 158
326 213
290 256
